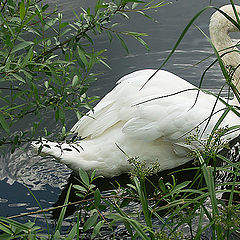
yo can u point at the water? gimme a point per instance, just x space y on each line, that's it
45 177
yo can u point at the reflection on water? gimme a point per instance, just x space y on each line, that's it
33 171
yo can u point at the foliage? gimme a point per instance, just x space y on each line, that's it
173 208
194 205
47 63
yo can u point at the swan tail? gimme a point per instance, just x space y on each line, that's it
48 148
71 154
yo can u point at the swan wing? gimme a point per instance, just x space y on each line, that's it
120 105
106 113
166 122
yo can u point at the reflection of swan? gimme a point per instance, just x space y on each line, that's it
154 130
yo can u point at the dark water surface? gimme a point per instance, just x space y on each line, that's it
45 177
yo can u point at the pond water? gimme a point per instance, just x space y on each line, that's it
45 177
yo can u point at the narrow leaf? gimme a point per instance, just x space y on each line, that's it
84 176
28 56
72 233
5 229
62 25
22 10
90 222
97 198
75 81
80 188
123 43
18 77
61 217
96 229
82 56
21 46
4 123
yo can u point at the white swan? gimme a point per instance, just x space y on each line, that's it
154 130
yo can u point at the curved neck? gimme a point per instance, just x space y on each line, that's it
224 45
220 37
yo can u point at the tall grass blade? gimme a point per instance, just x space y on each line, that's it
137 226
45 218
209 179
178 42
63 211
15 223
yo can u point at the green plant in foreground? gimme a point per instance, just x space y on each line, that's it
174 206
159 217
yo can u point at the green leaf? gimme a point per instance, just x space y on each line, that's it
64 32
5 229
182 185
49 24
4 123
82 56
62 25
29 19
144 202
80 188
57 115
63 130
75 81
10 30
57 235
79 115
98 28
142 42
28 75
35 90
90 222
97 198
110 37
93 175
123 14
18 77
28 56
72 233
123 43
135 5
84 176
125 202
46 84
162 186
96 229
14 223
21 46
80 195
62 115
45 7
61 217
104 63
22 10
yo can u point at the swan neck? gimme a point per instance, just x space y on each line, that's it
220 38
229 53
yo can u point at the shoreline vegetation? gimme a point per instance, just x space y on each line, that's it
47 64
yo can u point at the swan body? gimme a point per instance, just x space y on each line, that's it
149 120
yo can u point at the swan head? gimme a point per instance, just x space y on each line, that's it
220 23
